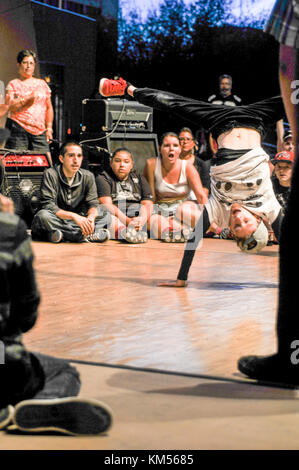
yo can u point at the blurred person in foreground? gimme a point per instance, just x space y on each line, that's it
38 392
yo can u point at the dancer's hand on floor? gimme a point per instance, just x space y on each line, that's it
177 283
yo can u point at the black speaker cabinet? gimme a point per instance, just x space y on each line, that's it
106 115
142 147
22 181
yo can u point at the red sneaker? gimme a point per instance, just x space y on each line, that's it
112 87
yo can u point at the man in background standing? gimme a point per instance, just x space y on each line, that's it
225 96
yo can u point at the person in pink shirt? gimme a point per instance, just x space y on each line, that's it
30 118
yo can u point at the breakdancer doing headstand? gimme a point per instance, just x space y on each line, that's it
242 196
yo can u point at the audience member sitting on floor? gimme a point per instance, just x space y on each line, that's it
283 143
70 208
171 180
128 198
288 142
281 179
38 392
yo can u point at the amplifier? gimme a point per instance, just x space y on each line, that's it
142 146
105 115
22 180
23 160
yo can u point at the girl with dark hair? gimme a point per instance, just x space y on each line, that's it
127 196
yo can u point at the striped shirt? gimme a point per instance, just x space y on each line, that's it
283 22
19 296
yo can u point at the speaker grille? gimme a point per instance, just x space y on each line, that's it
24 190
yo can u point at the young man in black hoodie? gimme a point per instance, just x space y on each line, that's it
70 208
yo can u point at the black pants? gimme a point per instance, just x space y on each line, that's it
288 306
214 117
20 139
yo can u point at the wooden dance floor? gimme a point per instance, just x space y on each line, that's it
164 359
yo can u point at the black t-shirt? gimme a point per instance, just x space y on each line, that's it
124 193
203 168
281 192
231 100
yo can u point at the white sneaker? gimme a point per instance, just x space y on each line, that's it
56 236
100 236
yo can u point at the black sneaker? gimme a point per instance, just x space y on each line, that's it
100 236
6 415
72 416
56 236
269 369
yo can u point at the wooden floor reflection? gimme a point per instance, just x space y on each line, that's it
100 303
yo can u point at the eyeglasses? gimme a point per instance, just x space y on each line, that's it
185 139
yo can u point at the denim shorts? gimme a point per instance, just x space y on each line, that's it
168 209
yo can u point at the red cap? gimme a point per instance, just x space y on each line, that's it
284 156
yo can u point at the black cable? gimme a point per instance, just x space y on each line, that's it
183 374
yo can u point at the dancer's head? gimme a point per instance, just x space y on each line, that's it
248 229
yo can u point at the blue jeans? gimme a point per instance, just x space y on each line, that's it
26 375
61 379
22 140
45 222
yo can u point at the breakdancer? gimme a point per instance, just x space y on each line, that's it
281 367
242 196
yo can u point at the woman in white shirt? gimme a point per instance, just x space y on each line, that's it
171 180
